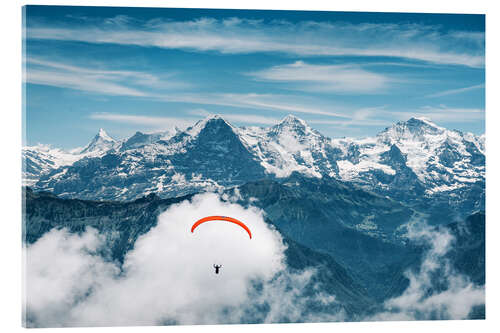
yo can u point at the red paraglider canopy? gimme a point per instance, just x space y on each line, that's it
221 218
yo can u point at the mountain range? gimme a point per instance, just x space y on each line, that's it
428 167
344 206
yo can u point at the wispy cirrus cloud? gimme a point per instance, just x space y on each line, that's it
266 102
244 118
152 87
234 36
95 80
455 91
325 78
442 113
80 82
370 116
151 122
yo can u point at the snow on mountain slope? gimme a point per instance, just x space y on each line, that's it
441 159
100 144
291 146
207 156
361 156
406 161
41 159
140 139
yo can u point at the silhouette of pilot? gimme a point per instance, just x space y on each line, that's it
217 267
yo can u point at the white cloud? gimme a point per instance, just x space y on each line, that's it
83 83
422 300
456 91
359 117
61 269
168 277
410 41
151 122
242 118
267 102
95 80
326 78
146 85
161 122
443 113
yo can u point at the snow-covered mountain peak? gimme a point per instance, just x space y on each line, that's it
103 135
425 120
424 123
292 120
414 129
293 126
210 122
413 157
100 143
291 145
213 117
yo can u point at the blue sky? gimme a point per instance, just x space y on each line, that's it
346 74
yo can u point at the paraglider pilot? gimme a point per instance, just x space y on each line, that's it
217 267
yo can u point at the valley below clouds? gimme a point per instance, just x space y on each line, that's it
167 278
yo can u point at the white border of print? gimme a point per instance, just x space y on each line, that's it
10 233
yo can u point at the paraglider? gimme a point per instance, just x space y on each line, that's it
221 218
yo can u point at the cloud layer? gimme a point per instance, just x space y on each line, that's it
436 289
236 35
96 80
325 78
168 277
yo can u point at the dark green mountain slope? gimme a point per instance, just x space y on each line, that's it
45 211
318 221
124 222
356 227
468 252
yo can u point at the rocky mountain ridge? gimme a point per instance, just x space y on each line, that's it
408 161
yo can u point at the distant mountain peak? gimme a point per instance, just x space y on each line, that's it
291 119
423 121
291 122
413 127
213 117
102 134
414 156
210 120
101 142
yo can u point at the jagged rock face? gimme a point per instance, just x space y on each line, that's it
42 159
208 155
35 163
217 153
416 162
102 142
292 146
420 163
431 152
139 140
